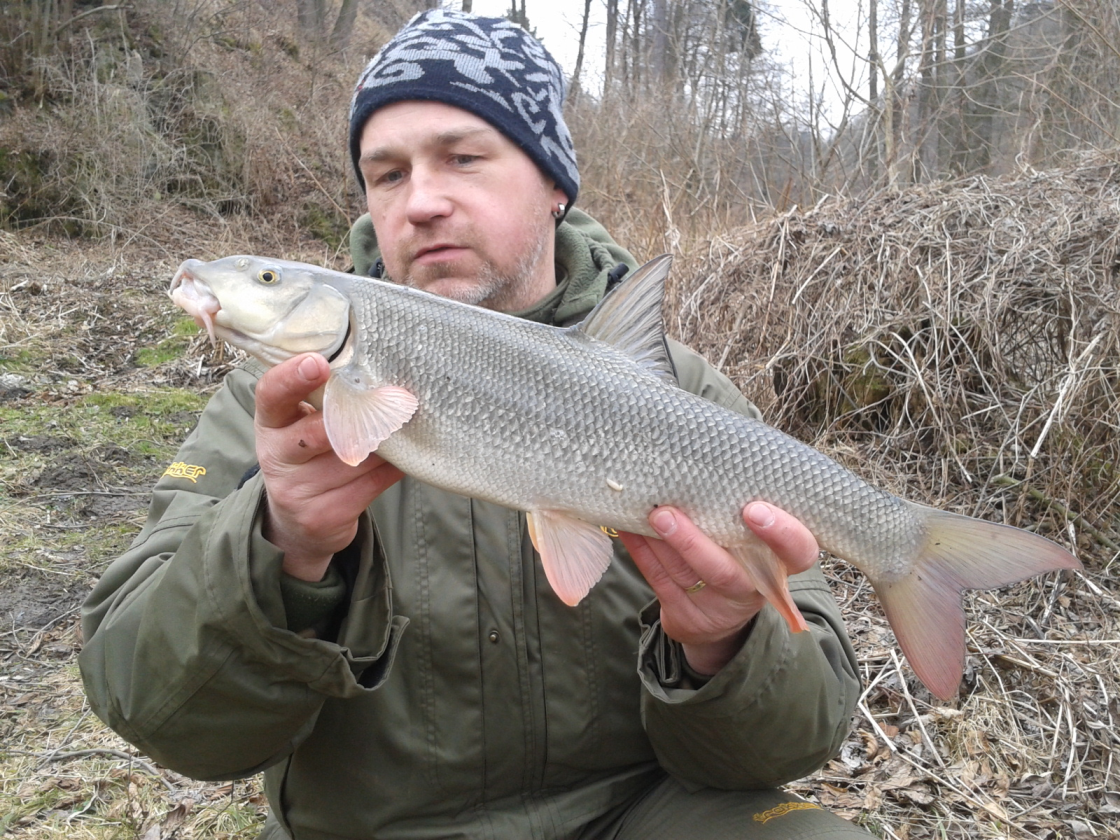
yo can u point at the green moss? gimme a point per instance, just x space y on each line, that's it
18 359
185 327
329 225
154 402
864 385
175 346
165 351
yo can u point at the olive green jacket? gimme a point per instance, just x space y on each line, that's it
444 690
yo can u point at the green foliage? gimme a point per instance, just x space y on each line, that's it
326 224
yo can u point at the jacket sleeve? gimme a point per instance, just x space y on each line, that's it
782 707
187 649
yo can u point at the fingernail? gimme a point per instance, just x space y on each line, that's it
663 522
308 369
760 514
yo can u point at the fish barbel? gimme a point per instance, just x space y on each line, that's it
585 427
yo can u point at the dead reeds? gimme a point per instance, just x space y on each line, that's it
959 344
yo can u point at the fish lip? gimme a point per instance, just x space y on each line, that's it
203 315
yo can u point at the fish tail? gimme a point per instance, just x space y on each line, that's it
924 606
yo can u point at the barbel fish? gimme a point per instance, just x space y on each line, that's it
585 426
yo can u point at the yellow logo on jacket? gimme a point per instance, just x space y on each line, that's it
783 809
187 471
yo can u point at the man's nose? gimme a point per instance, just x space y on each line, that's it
428 198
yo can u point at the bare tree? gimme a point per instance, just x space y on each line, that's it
518 15
344 23
582 44
612 35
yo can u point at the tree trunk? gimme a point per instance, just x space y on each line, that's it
311 16
582 43
932 22
896 102
981 125
873 51
660 42
612 35
344 24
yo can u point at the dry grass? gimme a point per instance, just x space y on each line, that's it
958 344
154 108
1026 751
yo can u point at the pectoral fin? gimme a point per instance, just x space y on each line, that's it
574 553
359 418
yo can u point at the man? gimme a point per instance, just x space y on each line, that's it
390 654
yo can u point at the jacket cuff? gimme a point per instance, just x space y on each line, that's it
358 660
310 605
665 672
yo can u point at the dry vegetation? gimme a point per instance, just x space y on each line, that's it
958 343
955 342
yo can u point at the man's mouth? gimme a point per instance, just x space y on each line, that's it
437 253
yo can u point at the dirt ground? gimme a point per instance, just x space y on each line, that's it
100 378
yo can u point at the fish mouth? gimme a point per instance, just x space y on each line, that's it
195 297
273 342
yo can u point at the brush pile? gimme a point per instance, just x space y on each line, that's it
958 344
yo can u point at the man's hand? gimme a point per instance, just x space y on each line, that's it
313 500
711 622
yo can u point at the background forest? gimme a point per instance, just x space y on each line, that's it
908 257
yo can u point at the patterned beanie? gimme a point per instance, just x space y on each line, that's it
488 66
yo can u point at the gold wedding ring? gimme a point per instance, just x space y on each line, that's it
696 587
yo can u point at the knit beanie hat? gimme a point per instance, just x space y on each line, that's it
488 66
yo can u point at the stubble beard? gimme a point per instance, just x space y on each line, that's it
494 288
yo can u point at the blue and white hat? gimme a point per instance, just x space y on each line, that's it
488 66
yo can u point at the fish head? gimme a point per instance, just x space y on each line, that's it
271 309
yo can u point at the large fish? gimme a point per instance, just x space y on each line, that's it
586 427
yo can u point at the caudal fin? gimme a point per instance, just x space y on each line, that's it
924 607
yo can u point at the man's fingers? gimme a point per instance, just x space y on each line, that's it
283 388
794 544
300 441
641 552
688 554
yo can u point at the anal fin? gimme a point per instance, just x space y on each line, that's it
574 553
769 577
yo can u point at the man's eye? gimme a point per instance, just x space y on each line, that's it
464 160
391 177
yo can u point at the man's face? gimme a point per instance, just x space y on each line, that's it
458 208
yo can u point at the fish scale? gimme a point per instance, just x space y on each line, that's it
585 427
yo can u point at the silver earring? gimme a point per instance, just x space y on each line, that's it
558 213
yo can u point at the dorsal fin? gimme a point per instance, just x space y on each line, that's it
630 318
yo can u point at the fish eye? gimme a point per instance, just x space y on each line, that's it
268 276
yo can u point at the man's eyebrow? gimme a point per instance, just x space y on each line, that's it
454 135
444 138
